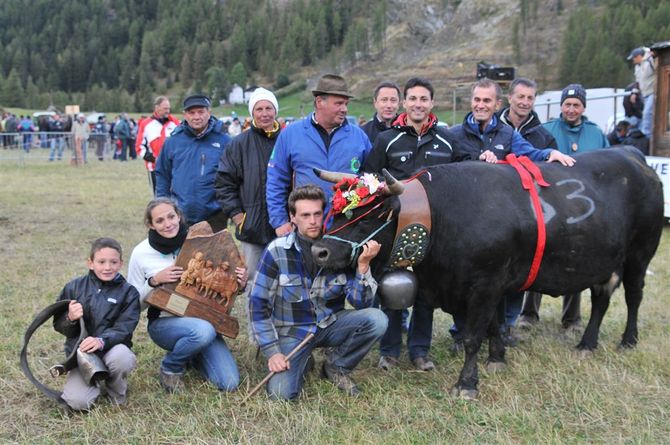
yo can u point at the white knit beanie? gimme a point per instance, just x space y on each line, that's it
262 94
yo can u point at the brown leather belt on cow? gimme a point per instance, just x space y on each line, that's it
414 225
529 174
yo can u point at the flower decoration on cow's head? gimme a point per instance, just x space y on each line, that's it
354 192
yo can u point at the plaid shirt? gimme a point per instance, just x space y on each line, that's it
285 301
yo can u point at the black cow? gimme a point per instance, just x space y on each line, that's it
603 219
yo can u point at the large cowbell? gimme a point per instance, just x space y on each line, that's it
91 367
398 289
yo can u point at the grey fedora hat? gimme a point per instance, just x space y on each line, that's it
332 84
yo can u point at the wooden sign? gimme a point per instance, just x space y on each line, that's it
208 285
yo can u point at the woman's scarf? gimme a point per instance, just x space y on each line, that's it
168 245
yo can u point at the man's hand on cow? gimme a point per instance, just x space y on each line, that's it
370 250
557 156
284 229
488 156
278 363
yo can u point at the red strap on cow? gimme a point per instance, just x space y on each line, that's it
529 173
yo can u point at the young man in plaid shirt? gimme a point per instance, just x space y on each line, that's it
291 297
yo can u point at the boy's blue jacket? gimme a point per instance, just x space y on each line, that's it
300 149
111 310
186 169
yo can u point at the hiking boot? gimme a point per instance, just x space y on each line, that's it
526 322
170 382
423 364
340 379
386 362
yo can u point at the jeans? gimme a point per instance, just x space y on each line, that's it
57 147
194 341
419 334
252 255
350 337
647 115
125 147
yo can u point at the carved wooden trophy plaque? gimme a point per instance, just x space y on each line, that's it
208 285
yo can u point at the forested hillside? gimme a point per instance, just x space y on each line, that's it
115 54
119 52
596 41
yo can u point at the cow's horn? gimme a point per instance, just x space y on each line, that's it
393 185
333 177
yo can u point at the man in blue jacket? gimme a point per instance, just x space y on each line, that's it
186 167
323 140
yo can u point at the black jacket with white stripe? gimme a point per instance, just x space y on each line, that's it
403 152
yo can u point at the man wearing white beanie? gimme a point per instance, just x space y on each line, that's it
240 180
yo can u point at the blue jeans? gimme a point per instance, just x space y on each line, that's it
511 307
349 338
419 333
647 115
57 147
192 340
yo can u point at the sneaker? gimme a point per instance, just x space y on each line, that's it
340 379
170 382
423 364
526 322
386 362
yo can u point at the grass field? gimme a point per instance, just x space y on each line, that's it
49 213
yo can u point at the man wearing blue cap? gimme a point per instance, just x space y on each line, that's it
574 134
186 167
645 75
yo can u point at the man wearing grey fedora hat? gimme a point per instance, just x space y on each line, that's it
324 140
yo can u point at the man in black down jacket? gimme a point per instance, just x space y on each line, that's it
521 117
240 179
386 101
413 143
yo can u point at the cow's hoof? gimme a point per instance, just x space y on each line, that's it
626 346
492 367
465 394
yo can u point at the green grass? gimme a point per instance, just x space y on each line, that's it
49 212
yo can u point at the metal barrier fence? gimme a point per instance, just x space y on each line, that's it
53 146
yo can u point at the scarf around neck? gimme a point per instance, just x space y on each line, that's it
168 245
